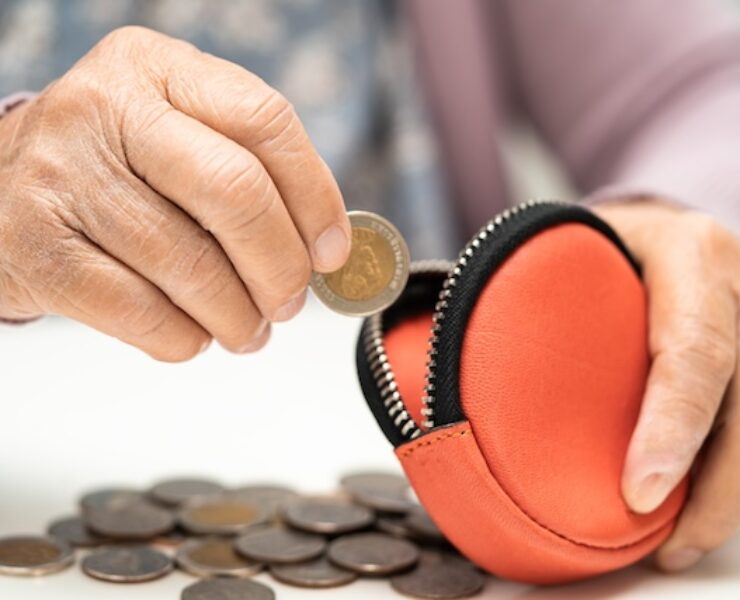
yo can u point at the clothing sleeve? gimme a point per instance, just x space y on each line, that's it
635 95
10 102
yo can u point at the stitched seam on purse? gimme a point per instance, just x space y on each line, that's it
468 430
425 443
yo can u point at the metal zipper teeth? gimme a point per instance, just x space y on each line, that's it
448 287
380 368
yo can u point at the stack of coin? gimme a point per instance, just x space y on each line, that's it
370 527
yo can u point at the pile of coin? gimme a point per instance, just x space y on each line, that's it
371 527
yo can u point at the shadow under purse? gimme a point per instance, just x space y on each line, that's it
509 384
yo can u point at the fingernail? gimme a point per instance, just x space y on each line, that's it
678 560
650 493
261 335
331 247
291 308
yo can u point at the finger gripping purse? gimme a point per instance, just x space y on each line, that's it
509 384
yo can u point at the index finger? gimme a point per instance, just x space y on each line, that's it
241 106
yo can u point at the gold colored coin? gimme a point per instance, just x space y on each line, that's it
220 515
375 272
32 555
214 557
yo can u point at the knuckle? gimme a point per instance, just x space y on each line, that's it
127 36
141 123
704 346
686 414
279 122
293 275
143 318
282 280
74 99
235 174
204 270
245 336
249 201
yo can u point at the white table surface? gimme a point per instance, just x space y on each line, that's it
80 411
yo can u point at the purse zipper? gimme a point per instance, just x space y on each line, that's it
380 369
484 235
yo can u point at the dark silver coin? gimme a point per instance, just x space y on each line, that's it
317 573
134 522
373 553
271 497
423 528
214 557
276 544
112 498
126 564
393 524
327 515
440 576
227 589
175 492
221 514
75 532
385 492
34 556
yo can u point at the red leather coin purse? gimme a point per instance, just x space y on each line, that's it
509 384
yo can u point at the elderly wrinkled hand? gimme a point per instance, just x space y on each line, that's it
163 196
691 267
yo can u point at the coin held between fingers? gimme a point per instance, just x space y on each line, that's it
375 272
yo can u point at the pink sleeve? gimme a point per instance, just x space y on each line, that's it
10 102
636 94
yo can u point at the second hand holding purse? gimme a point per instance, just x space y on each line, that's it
509 384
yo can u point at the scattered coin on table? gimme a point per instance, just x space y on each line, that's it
316 573
277 544
174 492
393 524
111 499
133 522
270 497
75 532
126 564
373 553
440 576
327 515
422 527
384 492
371 527
221 514
375 272
33 556
227 589
214 557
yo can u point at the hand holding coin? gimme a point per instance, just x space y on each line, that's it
375 272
